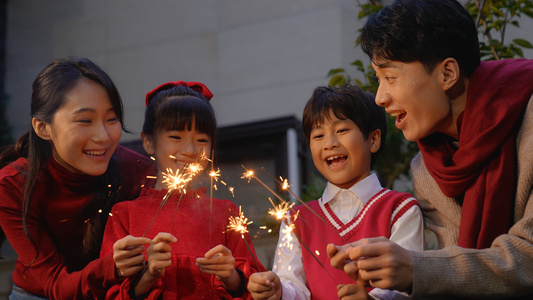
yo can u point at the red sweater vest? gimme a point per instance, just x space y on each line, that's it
375 219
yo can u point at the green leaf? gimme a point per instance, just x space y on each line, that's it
335 71
523 43
337 80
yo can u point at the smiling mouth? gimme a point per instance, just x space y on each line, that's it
400 115
336 160
95 153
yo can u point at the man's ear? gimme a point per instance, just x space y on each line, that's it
449 73
41 128
148 143
375 140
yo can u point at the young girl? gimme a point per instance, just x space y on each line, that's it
179 129
60 180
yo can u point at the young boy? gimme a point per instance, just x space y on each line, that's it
473 122
345 130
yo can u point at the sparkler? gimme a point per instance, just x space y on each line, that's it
280 213
249 174
178 180
285 186
289 229
213 176
240 224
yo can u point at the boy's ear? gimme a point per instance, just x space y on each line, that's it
375 140
41 128
449 73
148 143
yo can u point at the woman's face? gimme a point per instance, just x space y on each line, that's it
85 131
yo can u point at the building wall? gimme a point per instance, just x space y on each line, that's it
261 59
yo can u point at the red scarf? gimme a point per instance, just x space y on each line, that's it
483 169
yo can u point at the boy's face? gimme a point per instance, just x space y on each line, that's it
340 151
414 96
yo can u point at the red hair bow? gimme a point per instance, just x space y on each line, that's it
197 86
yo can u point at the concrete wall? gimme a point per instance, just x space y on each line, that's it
261 59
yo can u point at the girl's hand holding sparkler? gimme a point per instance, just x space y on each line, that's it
219 261
265 286
159 258
128 255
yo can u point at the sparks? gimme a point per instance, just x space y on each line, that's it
175 180
287 237
215 174
285 183
248 175
239 223
280 211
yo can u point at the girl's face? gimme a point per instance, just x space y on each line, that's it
175 149
85 131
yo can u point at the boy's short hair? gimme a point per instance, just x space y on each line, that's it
346 102
426 31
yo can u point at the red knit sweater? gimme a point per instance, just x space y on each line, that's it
190 225
61 270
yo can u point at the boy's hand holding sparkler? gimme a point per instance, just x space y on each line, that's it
353 292
265 286
219 261
128 255
378 261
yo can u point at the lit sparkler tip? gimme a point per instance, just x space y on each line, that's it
215 174
280 211
249 174
194 168
285 183
239 223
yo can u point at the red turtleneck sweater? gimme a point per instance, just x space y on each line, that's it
60 270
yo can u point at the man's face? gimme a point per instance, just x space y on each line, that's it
414 96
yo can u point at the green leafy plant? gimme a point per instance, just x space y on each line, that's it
492 18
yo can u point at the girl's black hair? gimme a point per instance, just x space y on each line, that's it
346 102
176 108
50 89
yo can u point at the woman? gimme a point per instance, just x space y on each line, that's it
59 181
